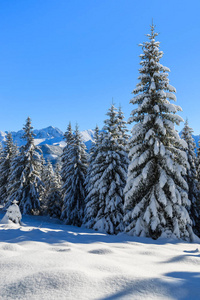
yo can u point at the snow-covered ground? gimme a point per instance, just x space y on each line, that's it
44 259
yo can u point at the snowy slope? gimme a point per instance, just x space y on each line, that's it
47 260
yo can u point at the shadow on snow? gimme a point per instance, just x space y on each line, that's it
48 230
173 285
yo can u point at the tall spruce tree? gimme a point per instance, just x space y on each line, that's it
107 179
25 184
198 164
7 156
92 198
69 139
57 171
42 193
191 178
1 153
75 168
122 125
54 197
156 194
47 177
1 162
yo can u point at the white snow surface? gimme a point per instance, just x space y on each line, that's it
44 259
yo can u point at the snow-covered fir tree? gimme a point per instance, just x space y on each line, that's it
73 174
57 171
65 157
123 135
42 193
47 175
107 179
198 164
25 184
156 194
92 198
43 166
1 153
54 197
191 178
7 156
1 161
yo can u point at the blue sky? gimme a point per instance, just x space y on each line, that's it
65 60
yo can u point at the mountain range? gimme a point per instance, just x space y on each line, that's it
51 140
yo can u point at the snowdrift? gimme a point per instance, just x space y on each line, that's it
47 260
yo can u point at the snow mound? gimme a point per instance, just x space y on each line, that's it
8 224
47 260
100 251
11 247
61 249
48 284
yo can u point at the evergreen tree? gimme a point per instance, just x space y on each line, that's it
123 136
92 198
57 172
1 162
43 205
198 164
191 178
48 174
55 196
7 156
47 177
75 168
156 194
104 208
43 167
65 158
1 153
25 184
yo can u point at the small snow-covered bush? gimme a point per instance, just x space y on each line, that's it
13 214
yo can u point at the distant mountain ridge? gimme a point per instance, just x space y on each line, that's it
51 140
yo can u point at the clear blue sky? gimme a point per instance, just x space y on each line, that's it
64 60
